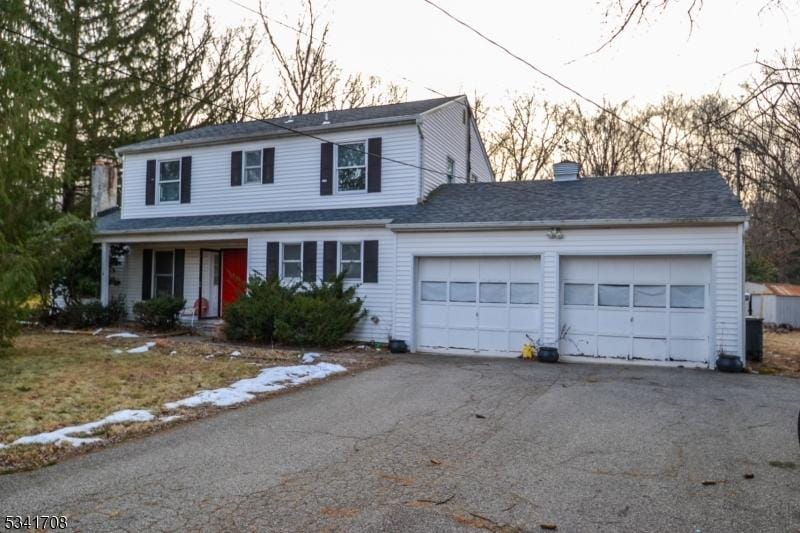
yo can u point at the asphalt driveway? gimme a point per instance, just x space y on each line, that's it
445 444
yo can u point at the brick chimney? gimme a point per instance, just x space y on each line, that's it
104 185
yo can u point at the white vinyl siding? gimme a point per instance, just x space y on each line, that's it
297 177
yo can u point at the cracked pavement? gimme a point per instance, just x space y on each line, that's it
400 448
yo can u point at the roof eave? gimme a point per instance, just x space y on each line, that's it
227 139
542 224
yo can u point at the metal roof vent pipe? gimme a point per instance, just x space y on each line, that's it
566 171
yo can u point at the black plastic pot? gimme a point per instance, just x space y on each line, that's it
547 354
398 346
729 363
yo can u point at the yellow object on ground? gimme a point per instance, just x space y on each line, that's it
528 351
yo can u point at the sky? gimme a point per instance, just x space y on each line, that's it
411 43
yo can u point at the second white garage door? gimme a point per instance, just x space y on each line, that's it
653 308
477 305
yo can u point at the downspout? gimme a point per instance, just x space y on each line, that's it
421 190
468 177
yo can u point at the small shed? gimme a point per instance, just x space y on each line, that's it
776 303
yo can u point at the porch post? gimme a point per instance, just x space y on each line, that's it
105 260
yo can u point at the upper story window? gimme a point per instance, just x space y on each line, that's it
169 180
292 263
252 166
451 170
350 263
351 167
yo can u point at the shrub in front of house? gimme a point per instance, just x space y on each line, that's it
315 314
252 317
159 313
91 314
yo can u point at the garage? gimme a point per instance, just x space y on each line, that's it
477 305
645 308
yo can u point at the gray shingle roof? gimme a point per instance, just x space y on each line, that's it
679 197
306 123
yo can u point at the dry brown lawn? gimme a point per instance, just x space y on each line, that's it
53 380
781 354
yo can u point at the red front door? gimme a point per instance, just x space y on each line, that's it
234 275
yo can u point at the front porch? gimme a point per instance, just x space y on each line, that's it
209 275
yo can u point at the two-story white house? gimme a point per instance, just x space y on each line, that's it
402 199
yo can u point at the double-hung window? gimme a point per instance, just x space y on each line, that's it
351 167
351 260
252 166
163 273
169 180
451 170
292 262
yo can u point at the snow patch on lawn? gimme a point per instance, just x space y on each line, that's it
268 380
123 335
309 358
169 418
66 435
236 353
143 348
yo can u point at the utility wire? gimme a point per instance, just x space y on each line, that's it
185 94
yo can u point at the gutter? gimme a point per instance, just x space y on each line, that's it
227 139
546 224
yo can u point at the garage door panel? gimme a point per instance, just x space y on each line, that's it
613 347
524 269
688 350
578 345
462 316
614 322
610 269
646 348
462 339
689 270
579 268
433 337
493 269
687 324
525 318
493 341
579 319
493 317
432 315
463 269
650 323
650 270
434 269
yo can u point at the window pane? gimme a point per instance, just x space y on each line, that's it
170 192
252 159
461 291
169 170
352 179
650 296
578 294
252 175
613 295
292 269
351 252
352 270
687 296
291 252
433 291
493 293
163 286
524 293
351 155
164 263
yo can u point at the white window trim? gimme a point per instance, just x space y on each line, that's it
361 259
158 180
447 169
336 167
260 167
154 276
299 262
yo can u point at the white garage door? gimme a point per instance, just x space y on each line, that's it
653 308
477 305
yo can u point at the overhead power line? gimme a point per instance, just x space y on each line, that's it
185 94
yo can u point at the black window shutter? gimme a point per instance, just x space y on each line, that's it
326 169
150 183
370 261
310 261
236 169
186 180
147 274
177 282
273 259
329 253
268 165
374 160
